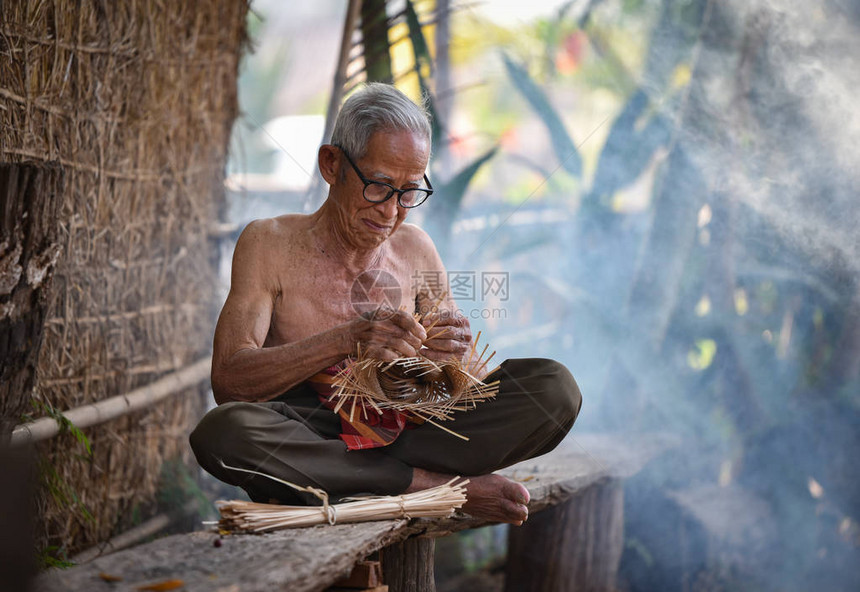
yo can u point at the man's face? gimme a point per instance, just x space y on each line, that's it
397 158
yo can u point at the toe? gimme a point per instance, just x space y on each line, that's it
514 512
517 492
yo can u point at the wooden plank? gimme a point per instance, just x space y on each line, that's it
573 466
313 558
136 534
300 560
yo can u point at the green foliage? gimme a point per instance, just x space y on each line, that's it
641 549
423 69
66 426
447 199
257 85
454 190
423 60
629 148
377 47
60 490
565 150
632 6
177 487
64 497
482 547
53 556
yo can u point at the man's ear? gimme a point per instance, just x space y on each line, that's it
329 162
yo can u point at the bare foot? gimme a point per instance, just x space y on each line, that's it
491 497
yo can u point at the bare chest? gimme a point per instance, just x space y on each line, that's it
318 294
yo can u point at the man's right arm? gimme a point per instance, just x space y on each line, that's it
244 370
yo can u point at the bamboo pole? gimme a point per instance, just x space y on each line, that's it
352 12
102 411
134 535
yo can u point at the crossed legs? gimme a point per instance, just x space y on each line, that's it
296 439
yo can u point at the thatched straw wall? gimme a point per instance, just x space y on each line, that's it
135 100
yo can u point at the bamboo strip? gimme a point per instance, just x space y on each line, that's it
185 307
135 175
101 376
53 109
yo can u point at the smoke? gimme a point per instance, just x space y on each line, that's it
788 112
738 328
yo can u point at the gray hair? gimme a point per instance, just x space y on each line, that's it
377 107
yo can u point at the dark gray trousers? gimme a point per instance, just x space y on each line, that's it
296 439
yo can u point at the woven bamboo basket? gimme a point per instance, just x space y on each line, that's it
421 388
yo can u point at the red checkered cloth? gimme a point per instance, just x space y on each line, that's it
368 428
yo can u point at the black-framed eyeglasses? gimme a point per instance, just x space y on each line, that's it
378 192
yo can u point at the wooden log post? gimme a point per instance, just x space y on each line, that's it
408 566
30 200
575 545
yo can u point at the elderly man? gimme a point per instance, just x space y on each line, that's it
289 323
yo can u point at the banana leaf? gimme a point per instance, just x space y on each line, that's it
565 150
447 198
627 152
419 44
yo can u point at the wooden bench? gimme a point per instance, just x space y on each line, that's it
573 538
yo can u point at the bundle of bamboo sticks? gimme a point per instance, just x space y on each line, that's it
250 517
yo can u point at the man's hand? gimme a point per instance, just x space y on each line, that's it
386 334
450 336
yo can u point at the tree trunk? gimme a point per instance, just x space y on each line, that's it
408 566
30 198
576 545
